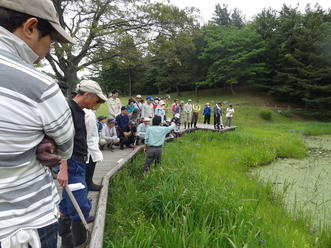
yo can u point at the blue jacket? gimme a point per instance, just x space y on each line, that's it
122 121
207 110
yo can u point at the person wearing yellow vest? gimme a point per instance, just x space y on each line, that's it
195 116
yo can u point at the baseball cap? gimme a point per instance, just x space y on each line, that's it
177 115
149 98
43 9
111 121
189 100
147 119
101 117
90 86
138 96
161 102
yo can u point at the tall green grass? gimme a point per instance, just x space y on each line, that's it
201 196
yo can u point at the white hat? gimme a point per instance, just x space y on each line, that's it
43 9
90 86
177 115
161 102
147 119
138 96
189 100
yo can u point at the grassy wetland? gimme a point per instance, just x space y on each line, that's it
204 195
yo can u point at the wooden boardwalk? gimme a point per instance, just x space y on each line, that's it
113 161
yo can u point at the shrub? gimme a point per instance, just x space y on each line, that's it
266 114
285 113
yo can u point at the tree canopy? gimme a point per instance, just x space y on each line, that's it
140 47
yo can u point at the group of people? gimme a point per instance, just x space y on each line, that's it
218 113
139 111
41 129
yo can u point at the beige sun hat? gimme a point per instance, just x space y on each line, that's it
91 86
43 9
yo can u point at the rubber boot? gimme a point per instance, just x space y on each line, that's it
65 232
79 234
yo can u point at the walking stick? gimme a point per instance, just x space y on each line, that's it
79 211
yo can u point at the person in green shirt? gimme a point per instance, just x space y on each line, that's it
195 116
154 140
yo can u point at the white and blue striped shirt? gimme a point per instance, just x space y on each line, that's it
31 106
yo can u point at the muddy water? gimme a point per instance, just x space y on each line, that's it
306 183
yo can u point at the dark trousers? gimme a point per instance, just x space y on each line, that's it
127 140
48 235
217 119
77 173
153 153
207 119
228 121
90 168
195 119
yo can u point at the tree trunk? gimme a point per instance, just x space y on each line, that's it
130 84
232 90
177 90
71 78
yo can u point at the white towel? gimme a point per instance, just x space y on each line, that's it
22 239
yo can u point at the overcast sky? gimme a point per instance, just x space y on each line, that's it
249 8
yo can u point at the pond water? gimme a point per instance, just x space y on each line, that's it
306 183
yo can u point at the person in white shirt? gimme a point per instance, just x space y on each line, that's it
114 104
229 115
188 108
141 130
109 134
139 104
160 111
147 108
94 154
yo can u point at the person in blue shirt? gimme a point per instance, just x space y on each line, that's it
122 119
130 106
101 123
206 113
154 140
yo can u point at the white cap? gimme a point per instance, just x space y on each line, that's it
147 119
90 86
161 102
138 96
43 9
177 115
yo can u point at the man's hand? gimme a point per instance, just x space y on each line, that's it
62 176
46 152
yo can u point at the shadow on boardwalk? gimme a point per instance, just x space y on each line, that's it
113 161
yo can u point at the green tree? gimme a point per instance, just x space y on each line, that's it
235 55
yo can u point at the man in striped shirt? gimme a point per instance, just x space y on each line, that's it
31 106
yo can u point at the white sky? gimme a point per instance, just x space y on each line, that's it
248 7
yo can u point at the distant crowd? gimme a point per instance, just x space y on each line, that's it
127 124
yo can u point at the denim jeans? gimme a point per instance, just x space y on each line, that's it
48 235
76 173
